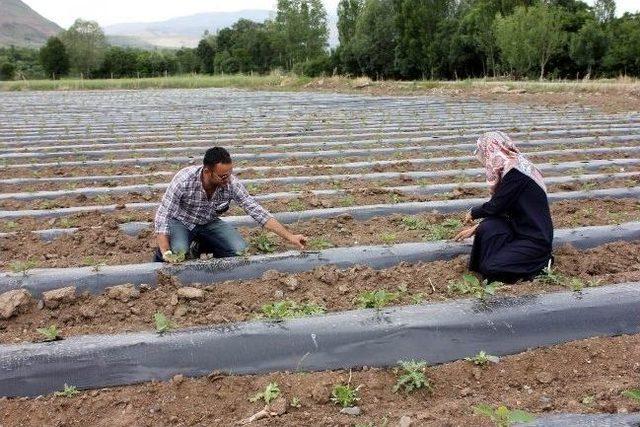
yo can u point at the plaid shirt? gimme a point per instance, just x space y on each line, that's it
186 201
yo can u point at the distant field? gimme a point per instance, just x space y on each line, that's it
292 82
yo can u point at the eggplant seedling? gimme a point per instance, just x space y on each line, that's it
22 266
163 324
288 309
68 391
296 205
345 395
503 416
295 402
482 359
471 285
376 299
632 394
270 393
412 376
52 333
264 243
319 243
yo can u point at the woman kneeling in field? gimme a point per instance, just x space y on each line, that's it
514 239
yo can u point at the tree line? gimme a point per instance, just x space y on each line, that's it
381 39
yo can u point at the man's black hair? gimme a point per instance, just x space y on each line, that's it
216 155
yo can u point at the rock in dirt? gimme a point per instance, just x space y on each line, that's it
320 393
190 293
544 377
353 410
88 312
405 421
271 275
177 379
13 301
123 293
291 283
53 299
278 294
180 310
326 275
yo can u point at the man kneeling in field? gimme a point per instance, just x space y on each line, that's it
190 209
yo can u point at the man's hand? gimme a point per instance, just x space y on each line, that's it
465 234
298 240
172 258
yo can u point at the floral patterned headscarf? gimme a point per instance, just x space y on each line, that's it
499 155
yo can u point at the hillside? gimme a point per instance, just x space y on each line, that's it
185 30
22 26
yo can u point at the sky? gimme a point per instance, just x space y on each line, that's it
64 12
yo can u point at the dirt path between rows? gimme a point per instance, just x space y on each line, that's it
586 376
108 245
334 289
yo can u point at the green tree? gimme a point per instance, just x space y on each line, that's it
301 31
7 70
605 10
120 62
417 23
206 51
86 45
348 13
374 41
530 37
623 56
54 58
588 47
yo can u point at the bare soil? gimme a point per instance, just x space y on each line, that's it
89 246
45 185
315 166
363 194
586 376
234 301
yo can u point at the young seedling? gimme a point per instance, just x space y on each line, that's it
295 402
175 258
288 309
296 205
345 395
163 324
417 298
68 391
503 416
411 376
22 266
319 243
471 285
443 231
270 393
388 238
376 299
264 243
632 394
66 223
550 277
50 334
482 359
414 223
347 201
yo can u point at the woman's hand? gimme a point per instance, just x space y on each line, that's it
468 219
465 233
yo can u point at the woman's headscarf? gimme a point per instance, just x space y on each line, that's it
499 155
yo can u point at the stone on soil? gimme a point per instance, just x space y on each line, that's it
53 299
11 302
